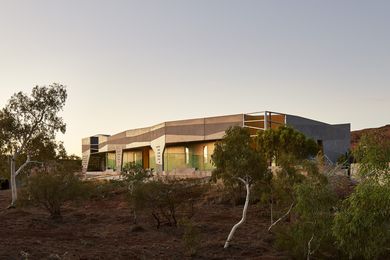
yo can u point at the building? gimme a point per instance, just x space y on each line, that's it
187 145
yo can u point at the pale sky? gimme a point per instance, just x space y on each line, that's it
131 64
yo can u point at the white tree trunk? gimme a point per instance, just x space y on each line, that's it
279 219
244 211
272 208
13 182
309 252
15 173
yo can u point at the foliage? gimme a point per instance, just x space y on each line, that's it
362 227
50 188
346 159
314 209
233 194
167 198
235 157
104 188
25 119
133 173
289 149
373 155
4 167
191 236
285 145
45 150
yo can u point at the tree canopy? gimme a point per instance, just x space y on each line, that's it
362 225
235 157
285 143
373 155
28 118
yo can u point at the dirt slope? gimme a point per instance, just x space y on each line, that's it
101 229
356 135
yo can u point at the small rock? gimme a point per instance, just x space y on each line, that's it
137 228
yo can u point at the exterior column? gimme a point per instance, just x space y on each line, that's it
85 161
158 146
118 158
86 152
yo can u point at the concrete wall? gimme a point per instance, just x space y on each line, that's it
158 136
336 138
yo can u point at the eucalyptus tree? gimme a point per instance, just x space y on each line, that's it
26 119
289 149
373 155
285 145
362 226
236 160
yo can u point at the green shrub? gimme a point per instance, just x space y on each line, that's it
104 188
373 155
191 236
311 227
165 199
50 189
133 176
362 227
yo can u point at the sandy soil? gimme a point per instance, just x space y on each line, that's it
102 229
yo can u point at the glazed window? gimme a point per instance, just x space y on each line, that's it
205 154
187 150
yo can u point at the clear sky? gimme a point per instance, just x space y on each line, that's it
130 64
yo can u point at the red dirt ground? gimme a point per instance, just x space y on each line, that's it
102 229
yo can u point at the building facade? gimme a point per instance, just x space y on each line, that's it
187 145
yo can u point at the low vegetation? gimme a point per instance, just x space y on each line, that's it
167 200
362 226
309 231
191 236
52 187
301 208
357 223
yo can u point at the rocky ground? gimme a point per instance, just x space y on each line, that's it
102 229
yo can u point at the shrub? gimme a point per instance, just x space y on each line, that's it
310 231
133 176
373 155
166 198
362 227
51 188
104 188
191 236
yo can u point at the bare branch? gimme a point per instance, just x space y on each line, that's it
288 212
242 180
25 164
309 253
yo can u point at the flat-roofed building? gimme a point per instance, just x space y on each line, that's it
187 145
